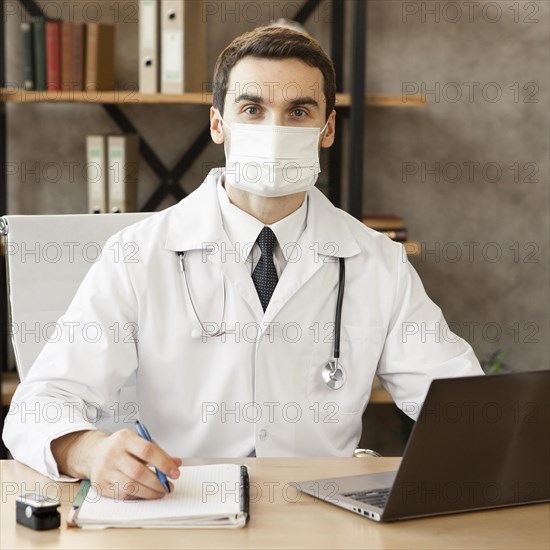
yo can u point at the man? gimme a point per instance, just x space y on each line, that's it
233 292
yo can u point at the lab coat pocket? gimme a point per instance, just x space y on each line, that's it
360 350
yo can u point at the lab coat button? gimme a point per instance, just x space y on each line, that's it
262 434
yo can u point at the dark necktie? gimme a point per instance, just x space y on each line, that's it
265 275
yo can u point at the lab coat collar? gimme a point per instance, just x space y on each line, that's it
327 230
196 223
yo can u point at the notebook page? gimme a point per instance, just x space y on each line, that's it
209 490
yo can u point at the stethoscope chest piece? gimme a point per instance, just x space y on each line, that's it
333 375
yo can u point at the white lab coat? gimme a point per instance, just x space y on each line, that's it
258 386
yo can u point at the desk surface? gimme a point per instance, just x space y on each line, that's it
282 519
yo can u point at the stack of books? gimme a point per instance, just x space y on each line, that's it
172 47
391 225
112 173
67 56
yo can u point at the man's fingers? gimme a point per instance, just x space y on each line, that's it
178 460
120 467
150 453
136 470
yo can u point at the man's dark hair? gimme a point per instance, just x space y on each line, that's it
274 43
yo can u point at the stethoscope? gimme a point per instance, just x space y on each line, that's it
334 375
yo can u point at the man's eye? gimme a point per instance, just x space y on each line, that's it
252 110
299 113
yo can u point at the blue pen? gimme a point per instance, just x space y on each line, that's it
142 431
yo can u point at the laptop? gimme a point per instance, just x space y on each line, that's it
479 442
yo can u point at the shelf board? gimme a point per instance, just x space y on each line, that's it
116 96
13 95
381 397
383 100
412 248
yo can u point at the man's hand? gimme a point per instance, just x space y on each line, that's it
115 463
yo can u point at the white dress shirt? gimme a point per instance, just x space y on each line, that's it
243 230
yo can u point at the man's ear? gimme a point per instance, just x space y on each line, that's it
330 131
216 132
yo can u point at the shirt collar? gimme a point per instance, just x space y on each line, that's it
243 229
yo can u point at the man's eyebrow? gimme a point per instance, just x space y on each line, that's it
306 100
250 97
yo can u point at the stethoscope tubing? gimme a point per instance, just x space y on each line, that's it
332 366
219 332
339 302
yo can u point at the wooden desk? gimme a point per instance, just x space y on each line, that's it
282 519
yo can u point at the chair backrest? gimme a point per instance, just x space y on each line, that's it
47 258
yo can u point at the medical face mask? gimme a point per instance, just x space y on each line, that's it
273 161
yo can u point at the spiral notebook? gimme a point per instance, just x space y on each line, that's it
206 496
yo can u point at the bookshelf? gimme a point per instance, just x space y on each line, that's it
351 105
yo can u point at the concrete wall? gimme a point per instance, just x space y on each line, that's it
469 172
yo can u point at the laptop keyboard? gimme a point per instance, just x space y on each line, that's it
374 497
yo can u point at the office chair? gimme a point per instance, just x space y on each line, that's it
47 258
